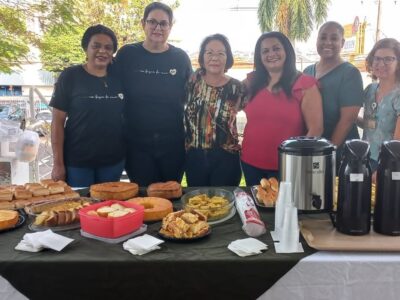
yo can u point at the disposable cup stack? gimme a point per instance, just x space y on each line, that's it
286 234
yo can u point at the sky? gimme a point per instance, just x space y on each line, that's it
195 19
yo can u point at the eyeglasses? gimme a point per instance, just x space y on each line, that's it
154 23
218 55
387 60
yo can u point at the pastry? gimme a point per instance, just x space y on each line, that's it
265 183
51 218
33 186
114 190
274 184
8 219
267 191
214 208
21 203
40 192
167 190
58 206
113 211
22 194
154 208
46 182
6 194
7 205
55 188
185 225
118 213
105 211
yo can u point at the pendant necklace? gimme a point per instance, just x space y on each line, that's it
104 80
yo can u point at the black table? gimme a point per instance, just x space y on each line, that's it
90 269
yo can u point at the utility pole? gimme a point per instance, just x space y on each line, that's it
378 22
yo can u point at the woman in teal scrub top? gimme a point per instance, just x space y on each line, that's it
340 85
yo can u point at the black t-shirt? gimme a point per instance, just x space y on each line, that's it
94 107
154 85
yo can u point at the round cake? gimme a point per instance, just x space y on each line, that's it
114 190
155 209
8 219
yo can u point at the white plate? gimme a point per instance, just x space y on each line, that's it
71 226
227 217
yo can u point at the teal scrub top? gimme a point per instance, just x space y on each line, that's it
340 87
387 112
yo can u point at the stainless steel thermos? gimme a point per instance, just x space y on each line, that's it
354 194
387 203
309 163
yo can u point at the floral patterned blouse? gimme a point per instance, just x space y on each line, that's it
210 114
385 113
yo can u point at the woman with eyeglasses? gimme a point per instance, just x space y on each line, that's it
86 128
283 103
154 74
214 98
381 120
340 84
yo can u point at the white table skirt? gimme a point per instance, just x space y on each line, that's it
340 275
8 292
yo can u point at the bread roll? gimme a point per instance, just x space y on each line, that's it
117 213
40 192
6 194
22 194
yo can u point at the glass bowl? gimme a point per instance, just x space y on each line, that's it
215 203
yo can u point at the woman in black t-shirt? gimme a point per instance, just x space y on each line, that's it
88 102
154 74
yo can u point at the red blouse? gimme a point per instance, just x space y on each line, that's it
271 119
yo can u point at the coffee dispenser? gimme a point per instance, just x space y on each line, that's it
354 194
309 164
387 203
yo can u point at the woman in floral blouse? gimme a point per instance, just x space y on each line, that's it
212 146
381 120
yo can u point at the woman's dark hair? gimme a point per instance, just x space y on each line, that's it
334 24
158 5
261 77
386 43
98 29
224 40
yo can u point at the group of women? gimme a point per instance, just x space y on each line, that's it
148 113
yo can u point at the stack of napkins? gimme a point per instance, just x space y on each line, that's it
247 247
142 244
35 242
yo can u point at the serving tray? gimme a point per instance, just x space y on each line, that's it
321 235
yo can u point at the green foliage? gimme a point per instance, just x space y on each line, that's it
294 18
61 50
61 24
13 45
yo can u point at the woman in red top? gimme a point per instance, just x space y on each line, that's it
283 103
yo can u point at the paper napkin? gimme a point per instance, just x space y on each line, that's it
35 242
247 247
142 244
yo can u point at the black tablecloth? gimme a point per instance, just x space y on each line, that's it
90 269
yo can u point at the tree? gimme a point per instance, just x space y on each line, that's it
61 46
294 18
20 22
61 24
